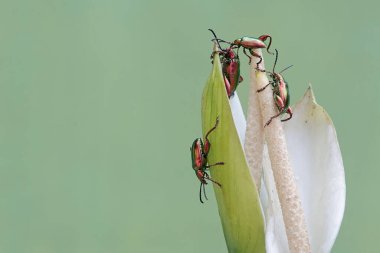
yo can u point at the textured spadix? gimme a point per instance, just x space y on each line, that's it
238 201
283 173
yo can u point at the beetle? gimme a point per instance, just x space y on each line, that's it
199 152
230 67
251 44
280 90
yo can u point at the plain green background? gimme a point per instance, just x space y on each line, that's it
100 101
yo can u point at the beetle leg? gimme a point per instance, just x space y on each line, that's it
264 38
280 105
208 178
219 163
288 111
261 70
234 46
200 193
214 52
271 118
250 58
263 88
253 53
220 40
218 184
207 142
270 42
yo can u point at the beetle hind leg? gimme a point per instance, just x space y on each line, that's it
207 143
261 70
290 112
253 53
250 58
219 163
271 118
212 129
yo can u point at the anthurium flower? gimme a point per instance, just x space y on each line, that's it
295 166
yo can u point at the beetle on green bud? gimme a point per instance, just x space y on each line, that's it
199 151
230 66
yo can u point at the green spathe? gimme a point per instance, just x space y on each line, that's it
238 201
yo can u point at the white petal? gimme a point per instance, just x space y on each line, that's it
316 158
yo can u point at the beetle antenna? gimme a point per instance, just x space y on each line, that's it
216 38
223 41
286 68
204 191
233 46
200 193
275 62
226 42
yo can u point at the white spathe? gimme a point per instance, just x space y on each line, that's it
318 167
317 161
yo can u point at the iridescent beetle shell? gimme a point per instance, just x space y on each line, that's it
250 43
231 71
197 155
199 151
230 65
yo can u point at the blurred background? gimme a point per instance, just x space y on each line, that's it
100 101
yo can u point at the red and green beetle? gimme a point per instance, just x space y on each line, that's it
280 93
230 66
251 44
199 152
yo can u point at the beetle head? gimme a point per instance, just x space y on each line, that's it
201 176
230 54
237 42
